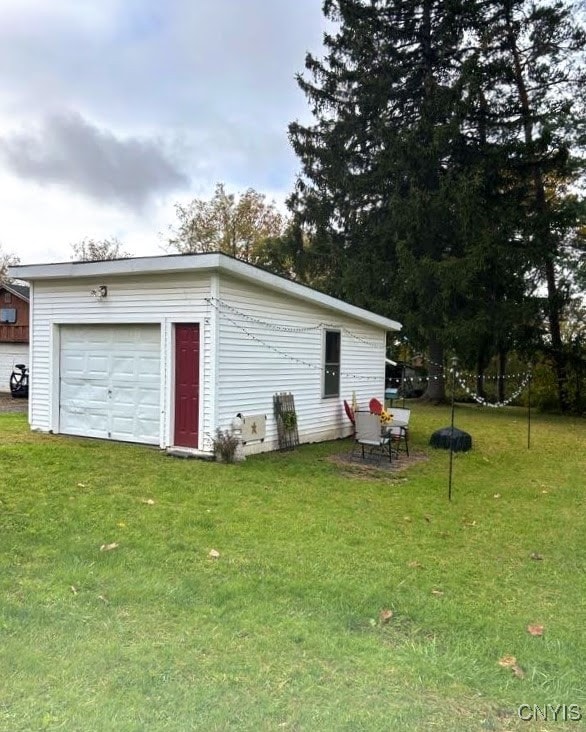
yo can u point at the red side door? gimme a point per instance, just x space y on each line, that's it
186 384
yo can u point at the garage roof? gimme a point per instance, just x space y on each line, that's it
196 262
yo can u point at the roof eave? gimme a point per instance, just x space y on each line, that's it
197 262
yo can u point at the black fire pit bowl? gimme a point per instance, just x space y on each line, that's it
447 437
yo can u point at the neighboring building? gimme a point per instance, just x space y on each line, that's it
14 330
165 350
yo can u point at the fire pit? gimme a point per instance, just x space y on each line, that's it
448 437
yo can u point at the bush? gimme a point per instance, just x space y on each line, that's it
225 444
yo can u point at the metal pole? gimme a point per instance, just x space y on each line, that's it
403 384
529 411
454 366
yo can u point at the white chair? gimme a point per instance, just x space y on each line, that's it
400 432
368 435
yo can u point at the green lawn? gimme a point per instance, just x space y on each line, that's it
282 631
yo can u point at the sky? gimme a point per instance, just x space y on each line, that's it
112 111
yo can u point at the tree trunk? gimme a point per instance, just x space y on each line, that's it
481 364
502 370
436 384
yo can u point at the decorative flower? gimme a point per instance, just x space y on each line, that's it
385 417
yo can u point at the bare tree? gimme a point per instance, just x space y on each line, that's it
96 250
7 259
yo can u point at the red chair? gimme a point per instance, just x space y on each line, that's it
375 406
350 414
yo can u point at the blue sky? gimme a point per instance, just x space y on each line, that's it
113 110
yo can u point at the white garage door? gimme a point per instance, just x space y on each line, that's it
110 382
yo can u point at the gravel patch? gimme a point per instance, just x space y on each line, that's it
9 404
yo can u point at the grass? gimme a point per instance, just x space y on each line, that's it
282 631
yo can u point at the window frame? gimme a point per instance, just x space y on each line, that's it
7 320
326 364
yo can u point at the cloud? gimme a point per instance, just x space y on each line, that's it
67 150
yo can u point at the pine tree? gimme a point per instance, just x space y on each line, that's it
535 90
424 177
383 186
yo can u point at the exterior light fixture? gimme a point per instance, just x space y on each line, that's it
100 292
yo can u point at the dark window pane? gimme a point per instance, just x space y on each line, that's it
332 363
332 382
332 347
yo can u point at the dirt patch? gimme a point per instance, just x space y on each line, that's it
9 404
353 464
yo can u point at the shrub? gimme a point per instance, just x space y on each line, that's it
225 444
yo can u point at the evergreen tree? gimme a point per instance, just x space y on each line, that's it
424 176
380 187
535 91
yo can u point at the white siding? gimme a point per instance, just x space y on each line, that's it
11 354
159 299
256 361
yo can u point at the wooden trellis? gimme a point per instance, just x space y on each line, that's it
287 430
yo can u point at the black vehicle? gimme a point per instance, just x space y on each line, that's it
19 381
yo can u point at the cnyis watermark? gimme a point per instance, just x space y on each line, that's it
550 712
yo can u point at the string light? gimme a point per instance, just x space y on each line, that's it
286 355
489 377
218 303
484 402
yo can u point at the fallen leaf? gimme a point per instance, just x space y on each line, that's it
536 630
214 554
415 565
148 501
437 593
73 589
497 495
103 599
407 518
81 485
385 616
470 523
427 517
511 662
545 491
518 671
108 547
121 524
536 555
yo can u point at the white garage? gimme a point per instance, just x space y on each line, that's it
167 350
110 382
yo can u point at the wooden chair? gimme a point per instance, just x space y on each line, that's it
368 435
400 434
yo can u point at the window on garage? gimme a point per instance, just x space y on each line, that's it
332 363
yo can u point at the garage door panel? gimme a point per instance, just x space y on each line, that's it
149 366
73 364
87 423
79 392
97 366
110 382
